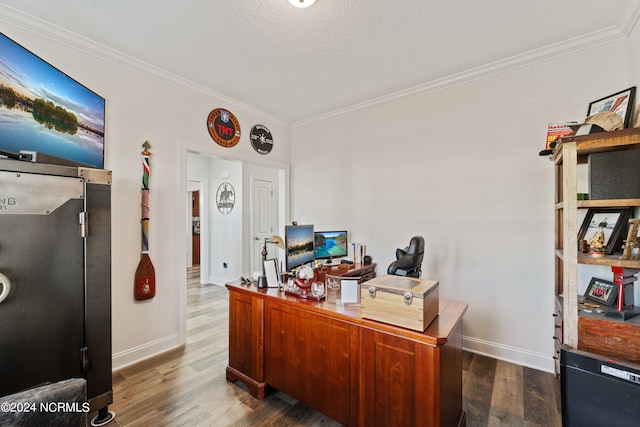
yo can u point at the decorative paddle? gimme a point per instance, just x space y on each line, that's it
145 279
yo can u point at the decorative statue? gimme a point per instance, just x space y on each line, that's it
596 243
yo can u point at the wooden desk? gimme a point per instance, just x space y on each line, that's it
357 371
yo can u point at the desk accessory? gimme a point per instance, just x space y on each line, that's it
306 280
268 266
409 302
271 274
343 290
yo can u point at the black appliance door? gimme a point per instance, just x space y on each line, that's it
598 391
41 255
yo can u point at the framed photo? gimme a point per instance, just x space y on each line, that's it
271 271
615 221
343 290
620 103
602 291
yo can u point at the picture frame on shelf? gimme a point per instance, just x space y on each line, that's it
620 103
616 219
602 291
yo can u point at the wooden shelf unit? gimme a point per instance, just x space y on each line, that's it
568 153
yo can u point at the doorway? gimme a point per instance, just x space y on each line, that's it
197 214
195 228
232 238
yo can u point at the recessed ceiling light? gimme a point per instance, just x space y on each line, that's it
302 3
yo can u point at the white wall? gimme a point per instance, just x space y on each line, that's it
144 104
226 232
634 60
460 167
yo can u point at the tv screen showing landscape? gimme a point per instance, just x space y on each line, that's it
44 110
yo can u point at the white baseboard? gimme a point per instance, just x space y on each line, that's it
145 351
220 281
539 361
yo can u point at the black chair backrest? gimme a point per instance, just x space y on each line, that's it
416 246
409 260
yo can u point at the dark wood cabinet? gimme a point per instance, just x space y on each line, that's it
357 371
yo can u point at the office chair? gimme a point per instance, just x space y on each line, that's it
409 260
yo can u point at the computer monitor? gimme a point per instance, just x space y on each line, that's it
298 243
331 244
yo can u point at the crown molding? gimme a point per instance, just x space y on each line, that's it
629 19
75 41
587 41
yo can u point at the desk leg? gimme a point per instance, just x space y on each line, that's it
259 390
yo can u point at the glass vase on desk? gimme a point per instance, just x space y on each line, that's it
317 289
333 288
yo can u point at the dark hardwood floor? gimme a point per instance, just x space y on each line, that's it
187 386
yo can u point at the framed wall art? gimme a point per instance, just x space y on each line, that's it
612 220
620 103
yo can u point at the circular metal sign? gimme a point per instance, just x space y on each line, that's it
261 139
225 198
223 127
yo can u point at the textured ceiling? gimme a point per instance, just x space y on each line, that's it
299 63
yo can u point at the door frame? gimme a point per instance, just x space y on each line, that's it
205 259
284 206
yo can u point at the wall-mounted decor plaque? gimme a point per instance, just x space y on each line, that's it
223 127
261 139
225 198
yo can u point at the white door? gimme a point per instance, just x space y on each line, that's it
264 221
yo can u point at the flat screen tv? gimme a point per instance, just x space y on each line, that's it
45 111
331 244
298 243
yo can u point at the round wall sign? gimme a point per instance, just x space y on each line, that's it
261 139
223 127
225 198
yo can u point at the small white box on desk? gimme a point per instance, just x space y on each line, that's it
402 301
